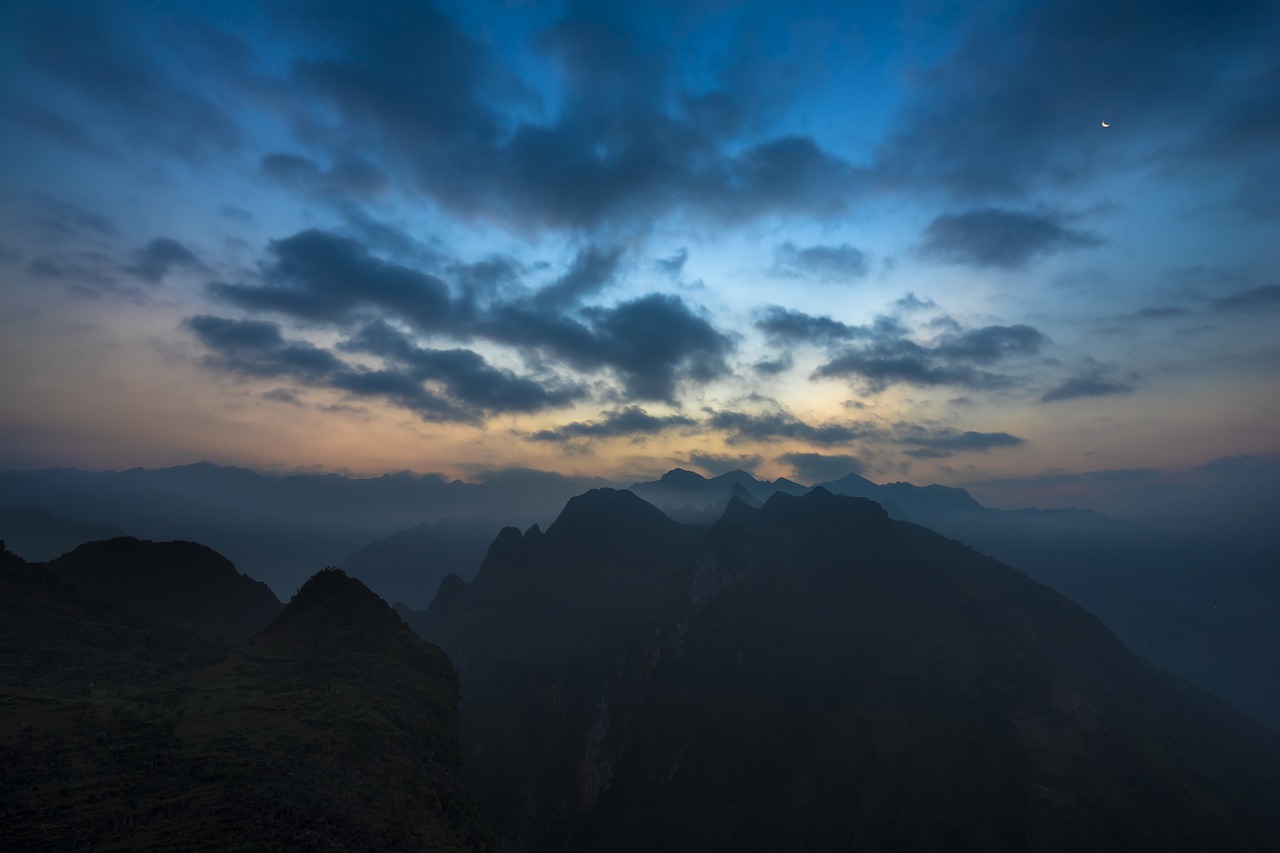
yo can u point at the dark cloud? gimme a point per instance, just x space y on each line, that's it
153 261
465 374
773 366
625 144
1265 298
652 343
1160 312
822 467
796 327
235 213
319 276
955 358
349 176
1007 239
133 95
777 426
1087 385
630 422
256 348
673 265
824 263
909 303
715 464
592 270
64 219
947 443
1017 105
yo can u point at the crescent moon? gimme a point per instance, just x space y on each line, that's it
1104 124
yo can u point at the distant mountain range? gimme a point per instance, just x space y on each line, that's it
813 675
1200 606
278 528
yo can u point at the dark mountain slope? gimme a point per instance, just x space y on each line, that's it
334 729
818 676
1201 607
38 534
183 584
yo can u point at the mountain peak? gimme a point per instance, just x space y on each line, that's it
681 477
608 509
334 604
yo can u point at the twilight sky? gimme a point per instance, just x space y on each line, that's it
800 238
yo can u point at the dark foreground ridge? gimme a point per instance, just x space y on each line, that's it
182 584
814 675
335 728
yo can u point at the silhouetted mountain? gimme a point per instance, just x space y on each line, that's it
409 564
183 584
39 535
335 728
813 675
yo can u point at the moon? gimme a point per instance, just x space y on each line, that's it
1104 124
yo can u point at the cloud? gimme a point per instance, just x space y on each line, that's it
1087 385
715 464
1265 298
349 177
947 443
464 374
954 358
625 144
323 277
823 263
652 343
821 467
130 95
1015 106
775 426
790 326
673 265
153 261
592 270
1091 379
629 422
1005 239
465 387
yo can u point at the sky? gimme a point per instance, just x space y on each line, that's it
971 243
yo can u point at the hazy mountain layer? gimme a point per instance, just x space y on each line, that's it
279 528
36 534
409 564
813 675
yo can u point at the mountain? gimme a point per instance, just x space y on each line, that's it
1198 606
38 534
182 584
686 495
409 564
278 528
814 675
335 728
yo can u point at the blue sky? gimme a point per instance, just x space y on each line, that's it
609 239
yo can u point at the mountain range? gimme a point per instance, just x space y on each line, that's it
812 675
1198 605
807 672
